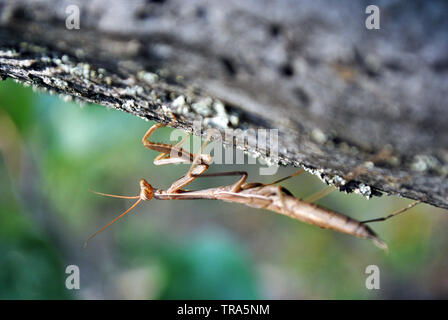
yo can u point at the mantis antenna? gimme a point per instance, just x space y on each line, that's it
114 195
117 218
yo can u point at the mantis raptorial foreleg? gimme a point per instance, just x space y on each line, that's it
167 150
188 178
200 163
174 154
171 154
165 158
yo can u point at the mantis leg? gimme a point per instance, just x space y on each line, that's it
396 213
241 185
330 189
320 194
288 177
279 192
237 186
269 191
359 170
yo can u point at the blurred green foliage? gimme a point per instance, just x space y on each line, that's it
56 151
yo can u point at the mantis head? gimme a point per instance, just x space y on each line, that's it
146 193
146 190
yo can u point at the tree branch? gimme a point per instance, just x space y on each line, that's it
337 92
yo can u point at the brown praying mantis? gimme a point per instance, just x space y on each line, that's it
262 196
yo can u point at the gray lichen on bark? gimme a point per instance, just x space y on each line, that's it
337 92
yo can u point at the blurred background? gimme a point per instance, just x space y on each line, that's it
53 152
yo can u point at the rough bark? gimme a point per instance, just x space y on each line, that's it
337 92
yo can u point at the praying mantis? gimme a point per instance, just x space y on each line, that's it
253 194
